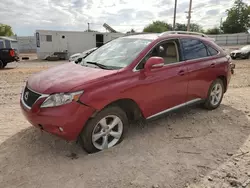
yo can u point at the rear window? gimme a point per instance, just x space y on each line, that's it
193 49
212 51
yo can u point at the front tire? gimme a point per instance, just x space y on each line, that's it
215 95
105 130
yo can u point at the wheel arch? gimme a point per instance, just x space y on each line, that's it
129 106
224 80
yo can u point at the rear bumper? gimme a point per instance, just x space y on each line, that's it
16 58
65 121
12 59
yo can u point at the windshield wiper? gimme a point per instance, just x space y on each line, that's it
99 65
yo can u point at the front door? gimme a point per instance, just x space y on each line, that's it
166 87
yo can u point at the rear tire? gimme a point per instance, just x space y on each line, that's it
4 65
102 124
1 64
215 95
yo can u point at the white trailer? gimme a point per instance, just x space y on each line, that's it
49 42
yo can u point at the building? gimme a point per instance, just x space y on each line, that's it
26 44
49 42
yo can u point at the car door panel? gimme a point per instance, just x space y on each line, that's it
200 76
159 89
201 68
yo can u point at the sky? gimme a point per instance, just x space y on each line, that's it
25 16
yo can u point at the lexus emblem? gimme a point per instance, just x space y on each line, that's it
26 95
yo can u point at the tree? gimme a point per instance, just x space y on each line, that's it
131 31
6 30
180 27
213 31
157 27
238 18
193 27
196 28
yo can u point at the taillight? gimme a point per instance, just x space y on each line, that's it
12 53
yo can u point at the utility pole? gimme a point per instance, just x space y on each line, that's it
88 27
175 5
189 15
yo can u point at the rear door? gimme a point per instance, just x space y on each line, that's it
201 67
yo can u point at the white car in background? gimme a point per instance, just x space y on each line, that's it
76 56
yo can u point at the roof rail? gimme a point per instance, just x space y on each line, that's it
137 33
183 32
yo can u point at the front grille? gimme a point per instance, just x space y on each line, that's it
30 97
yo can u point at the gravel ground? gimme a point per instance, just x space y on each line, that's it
155 154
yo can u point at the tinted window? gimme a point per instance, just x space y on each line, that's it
212 51
193 49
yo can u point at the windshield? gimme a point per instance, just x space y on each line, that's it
246 47
118 53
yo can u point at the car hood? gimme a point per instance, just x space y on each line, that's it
64 78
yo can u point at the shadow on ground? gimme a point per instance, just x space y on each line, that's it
152 153
6 69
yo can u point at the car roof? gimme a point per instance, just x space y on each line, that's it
170 34
150 36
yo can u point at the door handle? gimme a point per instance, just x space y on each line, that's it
212 65
181 72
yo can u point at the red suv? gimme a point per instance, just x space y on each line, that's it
127 79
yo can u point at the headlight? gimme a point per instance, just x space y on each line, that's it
61 99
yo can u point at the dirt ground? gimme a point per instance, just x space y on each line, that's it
155 154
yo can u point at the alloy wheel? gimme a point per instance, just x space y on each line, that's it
216 94
107 132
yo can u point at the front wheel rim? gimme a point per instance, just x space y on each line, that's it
216 94
107 132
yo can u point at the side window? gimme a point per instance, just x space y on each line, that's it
193 49
212 51
167 50
1 44
7 44
49 38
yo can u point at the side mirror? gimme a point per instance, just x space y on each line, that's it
78 60
154 63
